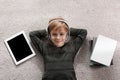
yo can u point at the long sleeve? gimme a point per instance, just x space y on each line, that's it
80 36
36 38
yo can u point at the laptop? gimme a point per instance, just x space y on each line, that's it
19 47
103 50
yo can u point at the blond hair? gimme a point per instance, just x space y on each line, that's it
57 23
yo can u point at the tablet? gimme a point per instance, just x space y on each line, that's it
19 47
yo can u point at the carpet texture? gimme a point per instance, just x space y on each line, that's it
97 16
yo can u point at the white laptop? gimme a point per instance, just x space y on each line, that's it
103 50
19 47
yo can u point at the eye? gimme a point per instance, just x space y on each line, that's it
54 34
61 34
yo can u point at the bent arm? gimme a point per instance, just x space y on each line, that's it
81 33
80 36
39 33
36 38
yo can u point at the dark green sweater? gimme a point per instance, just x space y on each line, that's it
58 60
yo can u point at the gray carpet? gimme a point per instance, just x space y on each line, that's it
97 16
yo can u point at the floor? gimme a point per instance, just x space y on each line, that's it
97 16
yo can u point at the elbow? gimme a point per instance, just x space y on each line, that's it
84 32
31 34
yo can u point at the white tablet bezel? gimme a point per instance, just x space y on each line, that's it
11 53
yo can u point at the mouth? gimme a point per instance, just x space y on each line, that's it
58 41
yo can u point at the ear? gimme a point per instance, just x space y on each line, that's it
49 37
48 33
67 38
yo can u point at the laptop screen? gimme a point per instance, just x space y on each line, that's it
103 50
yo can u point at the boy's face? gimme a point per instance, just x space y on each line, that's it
58 37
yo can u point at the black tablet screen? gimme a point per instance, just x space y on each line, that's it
19 47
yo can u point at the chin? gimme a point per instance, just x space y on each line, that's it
59 45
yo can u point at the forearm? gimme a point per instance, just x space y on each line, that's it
36 36
78 33
39 33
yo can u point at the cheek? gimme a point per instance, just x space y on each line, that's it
52 38
65 36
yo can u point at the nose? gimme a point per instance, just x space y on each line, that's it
58 37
